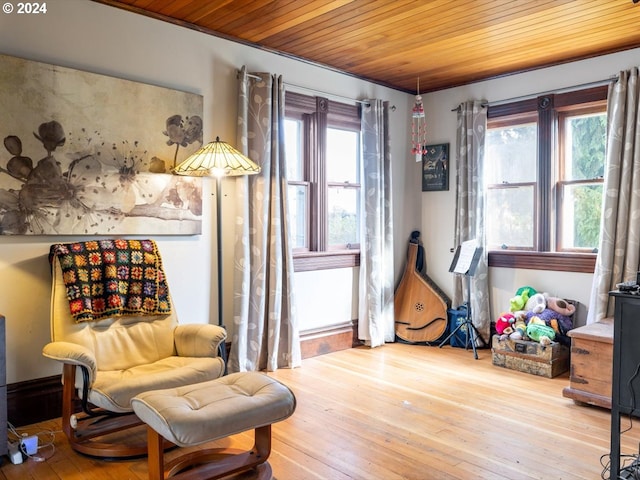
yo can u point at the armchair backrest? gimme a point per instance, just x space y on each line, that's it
117 342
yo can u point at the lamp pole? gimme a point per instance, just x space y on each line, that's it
223 347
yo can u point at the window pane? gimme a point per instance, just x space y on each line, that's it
510 217
581 207
344 216
293 149
343 155
511 154
298 215
585 140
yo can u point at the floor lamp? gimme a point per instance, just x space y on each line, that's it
218 159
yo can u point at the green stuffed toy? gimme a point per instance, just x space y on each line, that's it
519 302
538 332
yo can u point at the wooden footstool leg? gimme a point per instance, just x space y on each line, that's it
156 455
262 445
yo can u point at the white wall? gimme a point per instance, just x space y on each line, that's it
438 207
92 37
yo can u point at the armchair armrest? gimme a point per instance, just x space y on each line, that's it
198 340
72 353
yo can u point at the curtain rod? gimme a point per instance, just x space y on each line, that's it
363 102
582 86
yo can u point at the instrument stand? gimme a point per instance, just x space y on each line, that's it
465 262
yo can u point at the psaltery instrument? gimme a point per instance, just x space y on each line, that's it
420 306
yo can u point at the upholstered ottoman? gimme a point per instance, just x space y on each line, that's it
200 413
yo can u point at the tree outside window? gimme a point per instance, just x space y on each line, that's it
544 169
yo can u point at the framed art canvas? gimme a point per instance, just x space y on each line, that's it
435 168
90 154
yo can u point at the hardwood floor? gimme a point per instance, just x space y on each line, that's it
403 412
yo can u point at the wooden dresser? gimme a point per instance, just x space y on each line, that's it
591 367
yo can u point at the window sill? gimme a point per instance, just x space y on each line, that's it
560 262
310 261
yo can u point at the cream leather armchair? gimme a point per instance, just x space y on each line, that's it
107 362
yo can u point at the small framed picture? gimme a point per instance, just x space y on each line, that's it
435 168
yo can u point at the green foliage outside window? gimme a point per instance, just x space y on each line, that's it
588 158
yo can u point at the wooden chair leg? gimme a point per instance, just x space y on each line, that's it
68 394
83 431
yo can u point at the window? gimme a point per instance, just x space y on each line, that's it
510 178
580 184
322 148
544 166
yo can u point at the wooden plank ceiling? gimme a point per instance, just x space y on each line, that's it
443 43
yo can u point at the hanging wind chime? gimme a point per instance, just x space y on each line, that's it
418 127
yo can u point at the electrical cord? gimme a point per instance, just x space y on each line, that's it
48 442
633 468
632 396
630 465
626 471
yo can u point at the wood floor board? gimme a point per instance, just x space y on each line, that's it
403 412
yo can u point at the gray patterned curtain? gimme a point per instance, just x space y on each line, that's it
266 332
619 249
376 316
470 210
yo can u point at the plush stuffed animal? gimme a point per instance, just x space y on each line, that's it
535 320
536 303
561 306
564 322
504 322
519 329
530 291
536 332
545 341
519 301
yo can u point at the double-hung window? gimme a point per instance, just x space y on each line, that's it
544 166
322 148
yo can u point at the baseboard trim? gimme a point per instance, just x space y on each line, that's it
325 340
38 400
34 401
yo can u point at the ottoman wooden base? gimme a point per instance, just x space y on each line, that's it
200 413
211 463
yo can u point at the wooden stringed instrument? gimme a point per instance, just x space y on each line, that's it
420 306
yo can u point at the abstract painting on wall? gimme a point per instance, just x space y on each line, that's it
90 154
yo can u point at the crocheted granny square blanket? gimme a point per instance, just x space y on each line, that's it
107 278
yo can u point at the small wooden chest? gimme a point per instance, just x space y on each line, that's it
530 357
591 364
